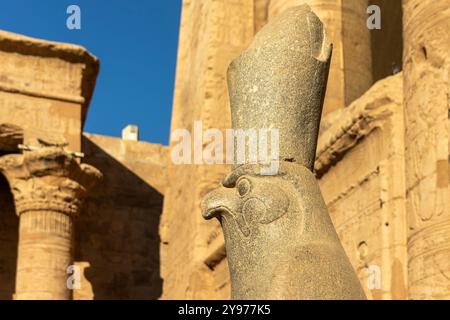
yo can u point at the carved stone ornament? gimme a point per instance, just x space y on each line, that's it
48 179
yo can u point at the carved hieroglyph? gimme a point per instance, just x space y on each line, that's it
360 167
280 241
426 74
48 185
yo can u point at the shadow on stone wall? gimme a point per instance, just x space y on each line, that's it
9 237
387 43
116 236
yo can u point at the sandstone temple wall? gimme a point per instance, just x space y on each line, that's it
45 87
387 42
382 159
117 243
426 65
212 33
45 90
360 166
364 152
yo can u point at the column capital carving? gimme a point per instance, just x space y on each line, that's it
48 179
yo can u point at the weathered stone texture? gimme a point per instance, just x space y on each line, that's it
280 241
391 208
279 82
45 90
351 64
45 87
212 33
45 252
360 162
117 238
427 104
49 186
387 42
191 63
261 13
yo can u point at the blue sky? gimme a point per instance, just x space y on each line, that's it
136 42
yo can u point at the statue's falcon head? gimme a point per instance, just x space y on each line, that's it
247 200
279 236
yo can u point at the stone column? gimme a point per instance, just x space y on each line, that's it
48 187
426 66
351 64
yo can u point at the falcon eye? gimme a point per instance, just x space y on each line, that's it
243 187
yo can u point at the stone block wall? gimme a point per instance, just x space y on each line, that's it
117 242
45 87
361 169
382 158
198 245
212 33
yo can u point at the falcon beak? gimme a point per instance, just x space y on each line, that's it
220 201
